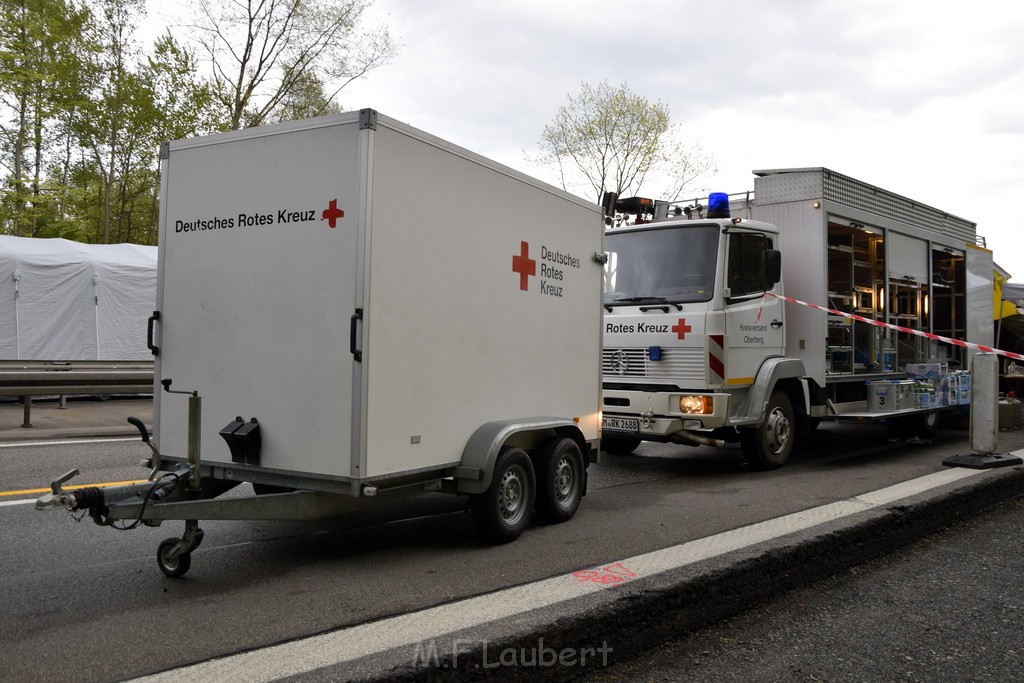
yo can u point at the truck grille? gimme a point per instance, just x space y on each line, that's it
681 366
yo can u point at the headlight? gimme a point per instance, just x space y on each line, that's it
696 405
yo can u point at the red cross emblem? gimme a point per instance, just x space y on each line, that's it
332 213
682 328
524 265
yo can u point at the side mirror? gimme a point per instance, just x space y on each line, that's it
771 266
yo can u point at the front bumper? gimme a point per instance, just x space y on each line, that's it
658 414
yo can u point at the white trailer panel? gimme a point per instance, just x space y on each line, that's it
254 309
476 286
452 340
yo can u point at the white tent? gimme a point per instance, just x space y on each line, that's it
62 300
1013 292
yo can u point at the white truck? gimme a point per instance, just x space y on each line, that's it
341 323
700 348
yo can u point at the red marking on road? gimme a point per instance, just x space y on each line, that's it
607 576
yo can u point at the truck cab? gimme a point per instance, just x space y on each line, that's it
693 341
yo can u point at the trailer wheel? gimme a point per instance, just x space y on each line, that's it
176 567
619 445
768 446
502 512
560 480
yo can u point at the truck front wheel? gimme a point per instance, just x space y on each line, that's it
502 512
767 447
560 480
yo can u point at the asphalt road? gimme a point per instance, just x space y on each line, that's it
948 608
89 602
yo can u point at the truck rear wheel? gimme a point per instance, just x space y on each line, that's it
910 426
502 512
619 445
560 480
767 447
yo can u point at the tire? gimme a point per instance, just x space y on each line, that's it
928 425
561 477
502 512
172 568
768 446
910 426
619 445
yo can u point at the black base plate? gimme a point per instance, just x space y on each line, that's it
977 461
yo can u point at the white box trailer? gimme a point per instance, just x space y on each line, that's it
363 309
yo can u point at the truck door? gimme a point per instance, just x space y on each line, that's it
754 321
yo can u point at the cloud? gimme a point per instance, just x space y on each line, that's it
921 97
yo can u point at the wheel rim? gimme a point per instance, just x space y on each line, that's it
779 430
512 495
171 565
565 481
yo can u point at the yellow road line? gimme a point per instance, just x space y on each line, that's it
26 492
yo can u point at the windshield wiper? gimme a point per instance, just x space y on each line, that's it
639 299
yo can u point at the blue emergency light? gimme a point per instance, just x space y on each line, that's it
718 205
654 353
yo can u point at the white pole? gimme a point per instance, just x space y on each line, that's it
984 403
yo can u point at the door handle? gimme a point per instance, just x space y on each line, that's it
149 333
353 325
776 324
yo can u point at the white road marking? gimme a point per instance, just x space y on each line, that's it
65 442
347 644
17 502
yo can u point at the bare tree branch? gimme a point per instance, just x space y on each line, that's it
611 139
265 52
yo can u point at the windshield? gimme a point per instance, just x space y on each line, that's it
672 265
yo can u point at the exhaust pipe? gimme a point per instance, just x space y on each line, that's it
692 439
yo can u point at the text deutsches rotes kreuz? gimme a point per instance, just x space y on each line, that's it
553 265
281 217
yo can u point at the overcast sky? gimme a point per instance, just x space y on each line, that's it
924 98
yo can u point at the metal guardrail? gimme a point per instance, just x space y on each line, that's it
26 379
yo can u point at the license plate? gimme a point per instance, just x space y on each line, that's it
620 424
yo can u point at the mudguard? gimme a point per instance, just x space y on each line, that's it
481 451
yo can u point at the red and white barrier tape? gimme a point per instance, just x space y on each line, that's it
900 328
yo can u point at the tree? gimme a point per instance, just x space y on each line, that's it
130 105
38 39
264 53
306 99
612 139
118 97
